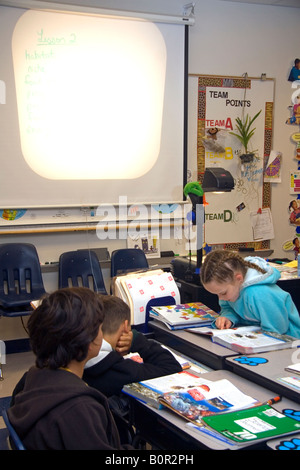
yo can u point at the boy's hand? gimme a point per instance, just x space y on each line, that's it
124 343
223 323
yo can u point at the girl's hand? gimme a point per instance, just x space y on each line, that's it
223 323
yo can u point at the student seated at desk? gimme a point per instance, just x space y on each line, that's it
110 371
248 293
52 408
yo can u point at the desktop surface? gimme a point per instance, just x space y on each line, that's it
268 370
168 431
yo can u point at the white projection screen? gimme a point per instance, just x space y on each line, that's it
91 109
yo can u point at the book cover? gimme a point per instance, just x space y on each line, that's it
149 391
253 424
137 289
249 339
184 315
195 402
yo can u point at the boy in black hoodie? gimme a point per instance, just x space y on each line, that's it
110 371
52 407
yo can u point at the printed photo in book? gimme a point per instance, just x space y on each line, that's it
193 403
184 315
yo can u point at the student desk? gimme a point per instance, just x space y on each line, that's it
197 347
267 374
166 430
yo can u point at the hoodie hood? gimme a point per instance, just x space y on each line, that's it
104 351
44 391
253 276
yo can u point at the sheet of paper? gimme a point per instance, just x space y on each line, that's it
262 225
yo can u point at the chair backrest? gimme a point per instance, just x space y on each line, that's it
20 275
15 440
156 302
81 268
127 259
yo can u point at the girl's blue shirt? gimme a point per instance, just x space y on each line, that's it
263 303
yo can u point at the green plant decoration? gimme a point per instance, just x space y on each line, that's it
244 132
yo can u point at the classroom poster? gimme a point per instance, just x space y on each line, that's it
295 182
220 101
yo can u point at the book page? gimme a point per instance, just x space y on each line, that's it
176 381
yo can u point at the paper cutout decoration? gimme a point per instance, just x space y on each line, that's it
296 138
273 167
251 361
295 118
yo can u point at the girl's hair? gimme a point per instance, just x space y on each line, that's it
116 311
221 265
63 326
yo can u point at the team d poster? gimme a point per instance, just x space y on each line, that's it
222 100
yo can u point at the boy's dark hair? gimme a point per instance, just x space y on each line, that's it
63 326
116 311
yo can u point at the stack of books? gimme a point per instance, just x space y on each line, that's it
184 316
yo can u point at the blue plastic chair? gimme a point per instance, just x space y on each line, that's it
126 260
15 441
20 279
81 268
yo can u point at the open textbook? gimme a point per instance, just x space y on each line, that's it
139 288
190 396
193 403
249 339
184 315
148 391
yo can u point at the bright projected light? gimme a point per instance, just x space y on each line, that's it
89 96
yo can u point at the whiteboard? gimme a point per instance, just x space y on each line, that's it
31 40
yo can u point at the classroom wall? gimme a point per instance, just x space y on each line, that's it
231 38
228 38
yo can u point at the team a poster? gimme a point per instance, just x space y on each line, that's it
229 216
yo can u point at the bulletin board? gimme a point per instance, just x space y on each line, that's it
230 218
